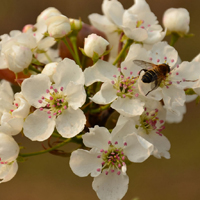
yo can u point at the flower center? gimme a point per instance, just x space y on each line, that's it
149 121
125 86
113 158
56 103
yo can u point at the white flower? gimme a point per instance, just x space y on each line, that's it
140 24
58 26
57 104
12 120
177 20
48 12
149 125
95 44
120 88
106 161
171 89
8 153
16 51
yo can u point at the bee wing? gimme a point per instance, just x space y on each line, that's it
143 64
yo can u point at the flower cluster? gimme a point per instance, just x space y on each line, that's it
72 89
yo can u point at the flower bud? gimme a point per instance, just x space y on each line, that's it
18 57
58 26
76 24
27 27
95 44
45 14
176 20
50 69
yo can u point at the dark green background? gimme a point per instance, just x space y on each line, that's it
47 177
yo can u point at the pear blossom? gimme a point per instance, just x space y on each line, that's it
9 151
48 12
150 125
177 20
106 161
95 44
57 103
13 110
12 121
120 88
42 52
171 89
58 26
138 23
16 51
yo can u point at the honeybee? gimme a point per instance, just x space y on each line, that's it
153 73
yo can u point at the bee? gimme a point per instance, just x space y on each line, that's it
154 74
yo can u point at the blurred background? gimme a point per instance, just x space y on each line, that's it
48 177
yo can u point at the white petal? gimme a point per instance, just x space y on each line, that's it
46 43
10 172
11 125
161 144
102 23
66 71
138 149
111 186
125 127
75 95
136 52
164 53
176 117
114 11
84 162
106 95
38 126
9 149
34 88
128 107
98 137
23 106
137 34
101 71
190 71
71 122
173 97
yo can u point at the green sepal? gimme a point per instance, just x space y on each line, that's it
95 57
82 51
189 35
124 38
189 91
106 52
25 71
36 62
198 100
21 159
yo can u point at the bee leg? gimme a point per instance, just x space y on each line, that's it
151 90
142 70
